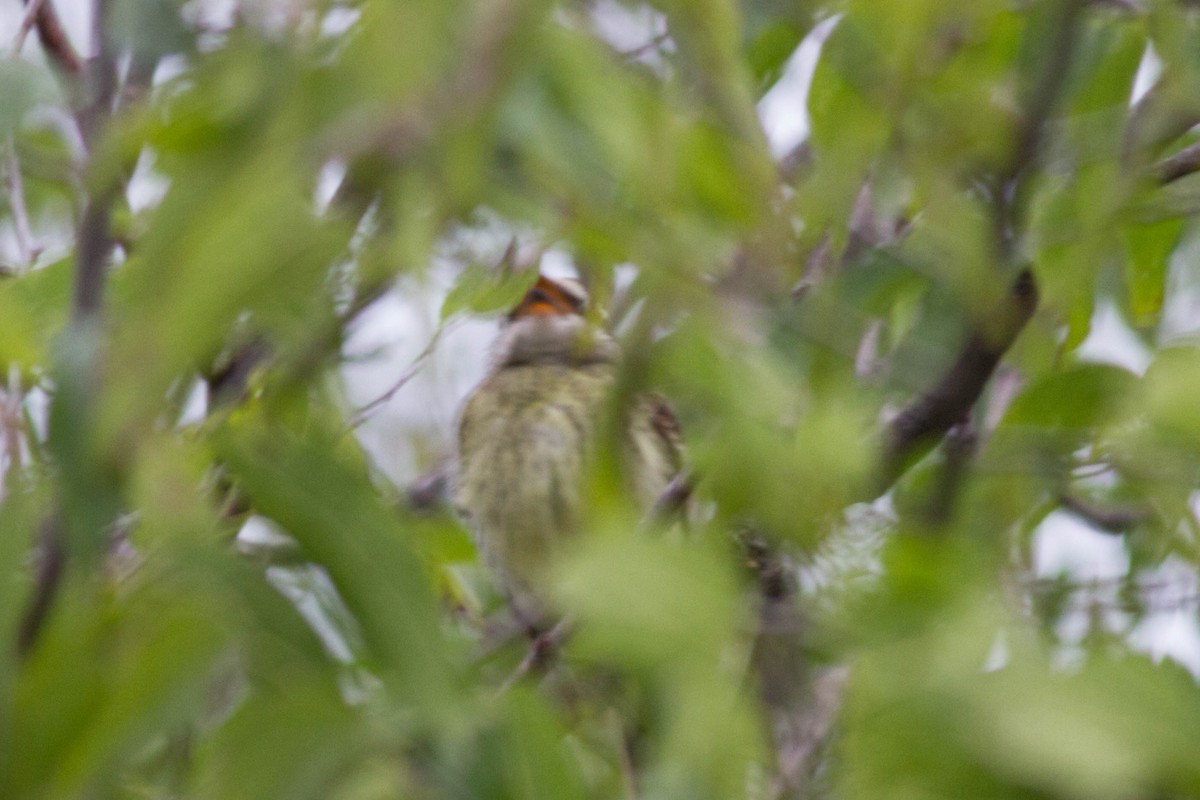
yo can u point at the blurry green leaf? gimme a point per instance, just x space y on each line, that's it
647 602
337 517
150 28
157 683
481 290
286 745
58 692
22 86
769 50
1148 250
34 309
1109 55
536 759
1172 386
1076 398
1105 732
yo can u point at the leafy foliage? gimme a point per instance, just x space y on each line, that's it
883 349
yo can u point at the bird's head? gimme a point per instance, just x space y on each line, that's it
548 326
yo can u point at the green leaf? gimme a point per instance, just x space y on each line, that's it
770 48
1075 398
335 514
1148 250
22 86
283 745
1171 386
482 290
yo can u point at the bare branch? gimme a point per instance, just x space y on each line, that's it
54 38
93 247
932 414
1178 165
367 411
655 43
51 564
1116 519
795 161
1046 93
543 647
430 490
27 22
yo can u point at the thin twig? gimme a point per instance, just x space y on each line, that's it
542 648
367 411
932 414
1116 519
653 44
1178 165
674 499
430 490
51 564
93 246
54 39
27 22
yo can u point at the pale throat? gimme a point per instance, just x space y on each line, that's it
553 340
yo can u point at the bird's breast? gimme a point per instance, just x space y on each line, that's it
524 442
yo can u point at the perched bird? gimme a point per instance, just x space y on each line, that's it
528 434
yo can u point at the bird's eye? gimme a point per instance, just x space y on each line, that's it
538 296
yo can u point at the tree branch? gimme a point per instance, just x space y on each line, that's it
51 564
53 37
930 416
948 402
93 247
1178 165
1108 519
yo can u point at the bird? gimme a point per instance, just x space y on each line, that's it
528 439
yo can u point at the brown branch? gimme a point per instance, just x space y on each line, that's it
1116 519
1047 92
543 647
32 9
654 43
93 247
931 415
368 410
674 499
50 567
1178 165
959 447
54 38
430 491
